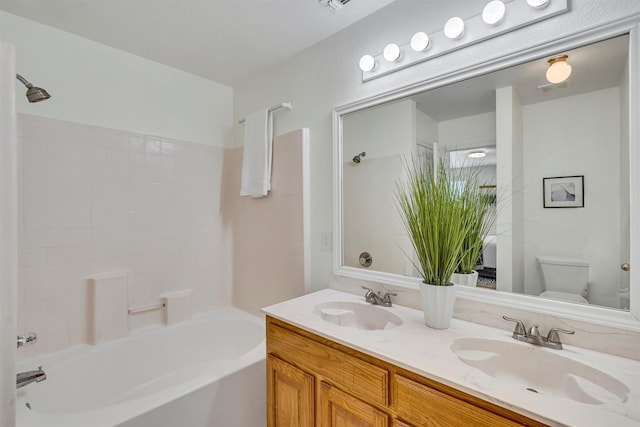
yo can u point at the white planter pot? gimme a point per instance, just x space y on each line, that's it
437 305
461 279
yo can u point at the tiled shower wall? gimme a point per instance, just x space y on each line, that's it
95 200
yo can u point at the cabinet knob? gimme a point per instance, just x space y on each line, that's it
625 266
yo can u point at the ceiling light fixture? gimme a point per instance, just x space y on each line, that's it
559 70
334 4
493 12
420 41
538 4
367 63
391 52
476 154
498 17
454 28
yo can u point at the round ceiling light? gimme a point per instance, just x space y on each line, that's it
476 154
454 28
493 12
367 63
420 41
391 52
559 70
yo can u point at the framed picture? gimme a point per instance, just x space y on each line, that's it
563 191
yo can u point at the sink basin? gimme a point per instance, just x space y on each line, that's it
540 370
357 315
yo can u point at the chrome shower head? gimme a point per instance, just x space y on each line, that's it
357 158
34 94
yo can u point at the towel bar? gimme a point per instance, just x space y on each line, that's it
286 105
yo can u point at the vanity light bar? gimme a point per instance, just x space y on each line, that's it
464 32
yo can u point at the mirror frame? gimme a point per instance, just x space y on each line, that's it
628 320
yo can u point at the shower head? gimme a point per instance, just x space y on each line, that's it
34 94
356 159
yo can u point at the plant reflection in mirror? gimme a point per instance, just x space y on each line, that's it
444 211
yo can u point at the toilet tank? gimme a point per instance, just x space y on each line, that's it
569 275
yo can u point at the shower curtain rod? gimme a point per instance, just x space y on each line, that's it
286 105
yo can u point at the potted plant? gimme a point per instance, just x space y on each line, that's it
478 204
436 205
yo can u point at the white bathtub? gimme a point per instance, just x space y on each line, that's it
203 373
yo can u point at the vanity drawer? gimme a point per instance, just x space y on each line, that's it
423 405
336 367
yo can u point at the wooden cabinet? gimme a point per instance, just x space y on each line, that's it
313 381
339 409
291 395
423 405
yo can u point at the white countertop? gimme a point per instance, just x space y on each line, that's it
427 352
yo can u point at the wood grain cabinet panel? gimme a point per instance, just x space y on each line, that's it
313 381
425 406
341 369
338 409
290 397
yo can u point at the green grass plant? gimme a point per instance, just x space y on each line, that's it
443 211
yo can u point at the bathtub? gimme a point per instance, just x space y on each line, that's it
203 373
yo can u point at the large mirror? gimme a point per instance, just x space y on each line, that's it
556 156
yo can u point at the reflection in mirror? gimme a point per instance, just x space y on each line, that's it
563 238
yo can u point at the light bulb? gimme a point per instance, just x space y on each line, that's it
367 63
493 12
454 28
476 154
538 4
391 52
559 70
420 41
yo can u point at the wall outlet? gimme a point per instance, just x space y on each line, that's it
326 241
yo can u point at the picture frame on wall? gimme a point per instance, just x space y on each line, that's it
563 191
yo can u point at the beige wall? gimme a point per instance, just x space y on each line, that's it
268 246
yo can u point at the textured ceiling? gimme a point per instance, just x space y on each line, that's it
222 40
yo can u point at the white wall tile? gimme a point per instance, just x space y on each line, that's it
36 220
80 236
34 238
58 237
136 143
34 257
152 145
95 200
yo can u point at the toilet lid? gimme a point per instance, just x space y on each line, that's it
565 296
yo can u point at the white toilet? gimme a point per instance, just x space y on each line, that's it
564 278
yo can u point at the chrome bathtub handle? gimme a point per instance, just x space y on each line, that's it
29 338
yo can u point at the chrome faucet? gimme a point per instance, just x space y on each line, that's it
375 299
533 336
26 378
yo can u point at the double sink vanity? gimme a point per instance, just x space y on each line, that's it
334 358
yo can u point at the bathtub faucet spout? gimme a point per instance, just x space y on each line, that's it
26 378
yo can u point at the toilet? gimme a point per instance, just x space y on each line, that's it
564 278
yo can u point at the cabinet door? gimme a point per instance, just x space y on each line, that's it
290 395
338 409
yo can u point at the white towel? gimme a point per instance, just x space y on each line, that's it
256 159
